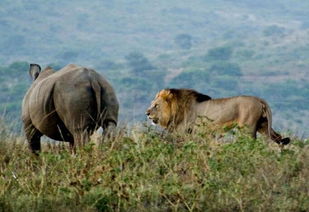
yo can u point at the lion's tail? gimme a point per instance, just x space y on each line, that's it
271 133
268 114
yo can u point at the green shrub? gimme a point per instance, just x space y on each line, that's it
219 53
196 79
138 63
274 30
184 41
226 68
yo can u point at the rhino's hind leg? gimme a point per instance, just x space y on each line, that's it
34 137
80 139
109 129
108 126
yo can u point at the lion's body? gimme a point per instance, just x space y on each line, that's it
243 110
182 109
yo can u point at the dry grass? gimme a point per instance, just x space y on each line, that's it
143 170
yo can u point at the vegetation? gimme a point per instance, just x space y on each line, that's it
13 87
141 169
184 41
220 53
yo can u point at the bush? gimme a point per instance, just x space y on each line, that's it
196 79
15 70
274 30
184 41
68 55
138 63
19 66
226 68
225 84
219 53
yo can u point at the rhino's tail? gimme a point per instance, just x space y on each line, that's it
97 92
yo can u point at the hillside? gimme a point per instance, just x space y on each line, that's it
143 170
222 48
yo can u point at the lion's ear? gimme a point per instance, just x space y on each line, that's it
166 94
170 96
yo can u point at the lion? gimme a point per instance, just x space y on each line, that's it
179 109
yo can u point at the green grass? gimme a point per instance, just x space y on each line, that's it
142 170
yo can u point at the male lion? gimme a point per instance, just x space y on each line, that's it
179 109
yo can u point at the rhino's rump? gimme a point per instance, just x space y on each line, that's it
75 103
43 115
62 105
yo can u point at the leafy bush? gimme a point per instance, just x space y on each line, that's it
289 94
68 55
138 63
190 79
226 68
219 53
13 87
184 41
20 67
245 54
225 84
274 30
15 70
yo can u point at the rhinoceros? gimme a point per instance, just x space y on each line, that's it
67 105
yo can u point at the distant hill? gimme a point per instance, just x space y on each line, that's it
222 48
62 31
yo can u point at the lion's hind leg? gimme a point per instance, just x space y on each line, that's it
249 127
273 135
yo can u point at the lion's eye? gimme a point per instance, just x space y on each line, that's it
156 106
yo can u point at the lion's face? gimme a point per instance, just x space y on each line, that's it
160 110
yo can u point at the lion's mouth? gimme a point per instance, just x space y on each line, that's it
153 120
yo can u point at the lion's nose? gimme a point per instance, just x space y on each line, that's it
147 113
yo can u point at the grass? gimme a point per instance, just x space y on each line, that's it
143 170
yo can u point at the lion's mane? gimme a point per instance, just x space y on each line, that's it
180 102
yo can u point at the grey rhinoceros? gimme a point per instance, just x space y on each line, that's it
67 105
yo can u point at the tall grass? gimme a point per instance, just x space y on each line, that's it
143 170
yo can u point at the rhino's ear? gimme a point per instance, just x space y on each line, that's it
34 71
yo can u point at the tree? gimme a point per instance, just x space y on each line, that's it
184 41
18 69
196 79
226 68
274 30
219 53
138 63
